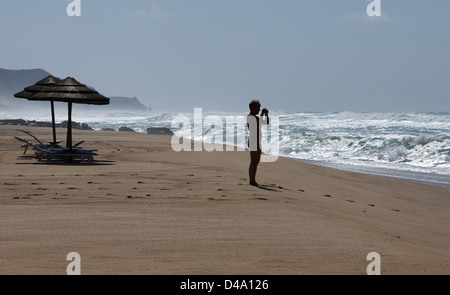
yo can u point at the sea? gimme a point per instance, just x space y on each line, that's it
412 146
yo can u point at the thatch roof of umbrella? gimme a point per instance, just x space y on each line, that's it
42 85
71 91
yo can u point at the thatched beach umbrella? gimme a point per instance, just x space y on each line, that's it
71 91
42 85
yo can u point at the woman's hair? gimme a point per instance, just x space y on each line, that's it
254 103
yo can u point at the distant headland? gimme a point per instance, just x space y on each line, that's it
13 81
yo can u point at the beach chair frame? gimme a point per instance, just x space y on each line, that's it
59 153
43 145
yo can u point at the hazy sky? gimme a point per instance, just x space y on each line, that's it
293 55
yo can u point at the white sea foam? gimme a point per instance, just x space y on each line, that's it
404 141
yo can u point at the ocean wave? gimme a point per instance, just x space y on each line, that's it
396 140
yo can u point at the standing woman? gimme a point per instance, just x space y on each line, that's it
254 126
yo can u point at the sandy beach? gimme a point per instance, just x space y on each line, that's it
143 208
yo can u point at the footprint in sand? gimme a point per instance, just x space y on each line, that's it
276 186
396 210
220 190
262 199
42 189
21 198
328 196
371 205
71 188
351 201
132 197
301 190
272 185
212 199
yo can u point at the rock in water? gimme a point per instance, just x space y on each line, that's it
159 131
126 129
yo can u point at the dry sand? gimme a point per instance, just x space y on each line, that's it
144 209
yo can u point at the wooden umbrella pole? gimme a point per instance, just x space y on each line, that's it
69 127
53 121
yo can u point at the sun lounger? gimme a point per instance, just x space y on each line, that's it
60 153
26 144
30 134
43 145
